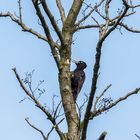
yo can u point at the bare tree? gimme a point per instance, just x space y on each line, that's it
75 20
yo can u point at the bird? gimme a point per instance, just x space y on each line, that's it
78 78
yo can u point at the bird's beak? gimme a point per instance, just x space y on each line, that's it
74 61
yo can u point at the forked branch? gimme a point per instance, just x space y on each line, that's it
111 21
91 11
101 110
52 44
52 20
101 95
38 104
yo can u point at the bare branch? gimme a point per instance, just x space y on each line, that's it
102 136
52 44
20 12
103 36
56 110
61 10
73 12
34 127
37 103
53 22
23 26
128 28
101 15
125 2
86 27
93 89
136 91
92 10
102 94
137 136
47 138
110 21
97 26
127 15
43 22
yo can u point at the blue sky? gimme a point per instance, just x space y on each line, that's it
120 67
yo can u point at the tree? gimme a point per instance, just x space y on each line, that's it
80 17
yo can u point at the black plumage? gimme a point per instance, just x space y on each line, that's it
78 78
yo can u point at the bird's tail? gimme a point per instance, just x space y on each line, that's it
75 94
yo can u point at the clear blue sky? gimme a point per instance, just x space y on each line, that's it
120 67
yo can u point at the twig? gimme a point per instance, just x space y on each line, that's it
37 103
136 91
102 136
47 137
34 127
20 10
128 28
52 20
56 110
98 98
92 10
137 136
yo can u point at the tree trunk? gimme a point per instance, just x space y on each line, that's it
65 89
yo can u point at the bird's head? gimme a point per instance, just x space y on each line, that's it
80 64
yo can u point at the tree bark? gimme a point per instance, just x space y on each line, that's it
65 88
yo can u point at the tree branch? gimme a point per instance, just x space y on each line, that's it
20 10
34 127
93 89
128 28
92 10
103 35
102 136
23 26
61 10
43 22
137 136
37 104
47 32
98 98
98 112
73 12
86 27
53 22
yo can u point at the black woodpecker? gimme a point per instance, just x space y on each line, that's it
78 78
